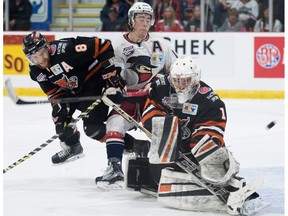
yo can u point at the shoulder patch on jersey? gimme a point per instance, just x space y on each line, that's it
204 90
190 109
41 77
53 49
157 58
56 69
127 51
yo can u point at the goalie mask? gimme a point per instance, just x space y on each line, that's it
185 77
139 7
36 49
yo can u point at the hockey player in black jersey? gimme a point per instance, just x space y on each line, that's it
186 117
73 67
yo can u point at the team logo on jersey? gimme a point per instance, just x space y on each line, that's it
41 77
168 101
70 83
204 90
127 51
52 49
157 58
172 102
186 132
142 66
56 69
190 109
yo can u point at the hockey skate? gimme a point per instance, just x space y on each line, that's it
253 205
68 154
113 177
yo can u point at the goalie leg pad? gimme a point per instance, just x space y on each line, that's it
178 191
217 164
164 140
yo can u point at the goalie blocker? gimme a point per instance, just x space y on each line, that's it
158 175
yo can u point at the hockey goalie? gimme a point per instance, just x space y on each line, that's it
189 166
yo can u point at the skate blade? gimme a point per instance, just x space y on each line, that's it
118 185
71 159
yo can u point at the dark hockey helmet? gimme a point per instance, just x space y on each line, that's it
33 43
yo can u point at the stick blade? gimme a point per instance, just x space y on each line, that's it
10 91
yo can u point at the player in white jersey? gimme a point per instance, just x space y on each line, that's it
143 57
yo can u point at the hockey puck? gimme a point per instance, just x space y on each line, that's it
270 125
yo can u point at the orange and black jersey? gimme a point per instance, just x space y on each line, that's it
73 62
204 114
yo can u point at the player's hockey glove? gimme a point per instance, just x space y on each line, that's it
113 77
114 94
61 118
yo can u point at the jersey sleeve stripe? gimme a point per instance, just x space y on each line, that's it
93 72
105 47
96 47
152 113
52 91
212 123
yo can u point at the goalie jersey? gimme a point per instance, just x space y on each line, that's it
204 114
140 62
74 61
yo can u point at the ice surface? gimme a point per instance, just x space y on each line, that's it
36 188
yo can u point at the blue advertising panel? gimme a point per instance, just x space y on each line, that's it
41 14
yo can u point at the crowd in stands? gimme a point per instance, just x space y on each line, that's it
178 15
221 16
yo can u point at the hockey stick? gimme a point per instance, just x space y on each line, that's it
72 124
126 116
11 93
233 200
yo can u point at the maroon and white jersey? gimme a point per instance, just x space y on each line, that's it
140 62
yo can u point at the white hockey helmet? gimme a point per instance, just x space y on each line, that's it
185 76
140 7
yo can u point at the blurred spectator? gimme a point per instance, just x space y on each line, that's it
278 10
232 23
195 25
130 2
114 15
220 12
189 16
184 5
20 12
262 24
162 4
248 12
168 23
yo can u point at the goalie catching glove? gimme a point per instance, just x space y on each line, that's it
217 163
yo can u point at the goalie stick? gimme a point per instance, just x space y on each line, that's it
233 200
11 93
72 124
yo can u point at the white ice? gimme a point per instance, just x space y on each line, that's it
36 188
